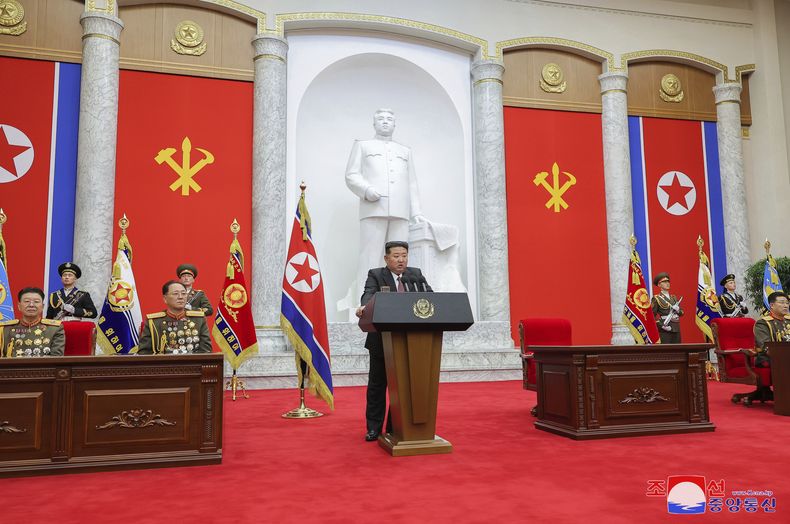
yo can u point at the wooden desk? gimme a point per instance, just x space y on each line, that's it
109 412
587 392
780 376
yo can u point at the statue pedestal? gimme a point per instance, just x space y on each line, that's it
434 249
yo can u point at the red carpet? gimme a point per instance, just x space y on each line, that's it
501 469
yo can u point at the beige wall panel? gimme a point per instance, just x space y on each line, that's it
53 31
522 77
644 86
149 30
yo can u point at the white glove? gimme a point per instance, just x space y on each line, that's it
68 308
371 195
676 308
666 328
188 306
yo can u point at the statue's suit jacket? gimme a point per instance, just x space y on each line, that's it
387 167
377 278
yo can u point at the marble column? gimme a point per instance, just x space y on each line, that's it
93 221
491 205
619 209
268 179
733 189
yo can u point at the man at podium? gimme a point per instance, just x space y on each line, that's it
398 277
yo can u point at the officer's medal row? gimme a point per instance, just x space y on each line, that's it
182 341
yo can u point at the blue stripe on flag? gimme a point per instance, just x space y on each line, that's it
222 324
304 329
638 194
715 207
65 183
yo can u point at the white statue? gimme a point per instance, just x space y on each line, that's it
381 173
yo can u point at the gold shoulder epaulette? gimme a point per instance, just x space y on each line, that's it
50 322
196 313
158 314
787 317
767 317
11 322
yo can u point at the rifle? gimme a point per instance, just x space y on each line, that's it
672 313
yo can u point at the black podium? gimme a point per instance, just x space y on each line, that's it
411 327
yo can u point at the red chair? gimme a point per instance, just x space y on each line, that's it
80 337
734 338
540 332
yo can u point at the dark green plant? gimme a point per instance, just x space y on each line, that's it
754 279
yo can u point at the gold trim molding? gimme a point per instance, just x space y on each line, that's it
99 35
741 69
282 19
259 16
682 56
268 56
561 43
109 9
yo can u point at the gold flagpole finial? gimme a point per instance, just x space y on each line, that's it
303 186
3 218
700 243
235 228
767 247
123 223
632 241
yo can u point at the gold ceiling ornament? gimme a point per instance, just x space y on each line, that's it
188 39
671 89
552 79
12 16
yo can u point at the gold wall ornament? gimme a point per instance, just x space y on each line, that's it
671 89
188 39
423 308
552 79
11 18
186 171
555 189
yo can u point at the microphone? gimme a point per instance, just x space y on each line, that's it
406 281
424 284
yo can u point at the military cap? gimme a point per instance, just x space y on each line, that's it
186 268
726 279
658 278
776 294
70 267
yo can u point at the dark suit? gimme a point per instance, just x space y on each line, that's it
377 376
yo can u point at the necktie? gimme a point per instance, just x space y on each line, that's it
400 285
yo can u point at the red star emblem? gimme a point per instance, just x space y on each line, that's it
303 272
676 192
121 293
8 153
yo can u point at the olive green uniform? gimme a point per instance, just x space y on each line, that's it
769 329
662 307
164 334
45 338
199 301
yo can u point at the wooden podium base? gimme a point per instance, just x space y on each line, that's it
408 448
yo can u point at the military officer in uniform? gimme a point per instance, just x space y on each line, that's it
70 302
772 327
31 335
731 303
175 330
196 298
667 311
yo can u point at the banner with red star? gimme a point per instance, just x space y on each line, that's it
234 328
118 328
303 311
676 196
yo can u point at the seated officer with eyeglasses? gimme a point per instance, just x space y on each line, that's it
175 331
774 326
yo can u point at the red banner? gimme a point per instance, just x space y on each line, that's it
556 208
184 172
25 143
677 208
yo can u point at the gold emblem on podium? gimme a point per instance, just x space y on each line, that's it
671 89
552 80
188 39
11 15
423 309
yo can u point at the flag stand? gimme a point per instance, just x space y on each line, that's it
302 411
235 384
